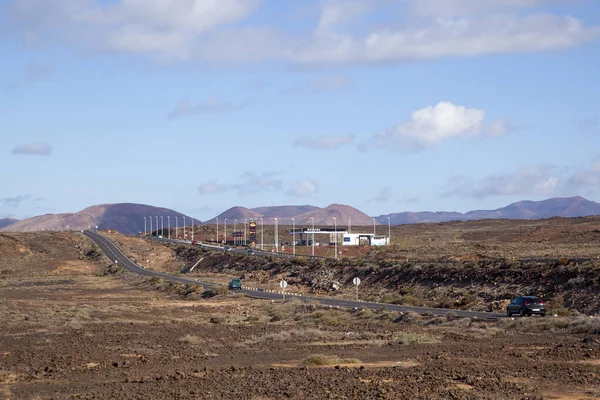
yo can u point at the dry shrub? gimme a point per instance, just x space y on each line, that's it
306 334
534 324
322 360
331 317
408 318
585 325
413 338
215 291
192 340
217 319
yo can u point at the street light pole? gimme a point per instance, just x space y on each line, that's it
176 228
234 231
162 226
169 225
184 227
245 241
225 235
150 226
335 236
192 229
144 226
276 237
262 233
389 232
157 226
313 235
294 235
374 232
217 241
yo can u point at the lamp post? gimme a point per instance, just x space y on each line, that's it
184 227
374 232
150 226
144 226
335 236
276 237
245 241
313 235
162 226
157 226
225 234
234 231
169 225
192 229
294 236
217 241
262 233
389 232
176 228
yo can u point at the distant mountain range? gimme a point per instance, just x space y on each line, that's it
554 207
126 218
7 221
129 218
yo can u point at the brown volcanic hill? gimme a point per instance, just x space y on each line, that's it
284 211
341 212
7 221
239 213
127 218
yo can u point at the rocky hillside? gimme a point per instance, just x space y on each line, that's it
555 207
126 218
7 221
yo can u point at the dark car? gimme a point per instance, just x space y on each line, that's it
526 306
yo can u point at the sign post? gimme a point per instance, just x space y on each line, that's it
283 285
356 282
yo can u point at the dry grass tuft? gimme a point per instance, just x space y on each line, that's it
324 360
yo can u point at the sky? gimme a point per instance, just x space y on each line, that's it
383 105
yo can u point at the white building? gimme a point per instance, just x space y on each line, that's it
365 239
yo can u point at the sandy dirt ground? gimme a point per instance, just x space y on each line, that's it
70 331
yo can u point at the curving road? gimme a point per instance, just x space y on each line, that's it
115 254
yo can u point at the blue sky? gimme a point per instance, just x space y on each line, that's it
384 105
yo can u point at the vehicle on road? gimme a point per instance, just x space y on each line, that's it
526 306
250 252
235 284
227 248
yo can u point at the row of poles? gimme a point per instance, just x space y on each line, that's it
160 229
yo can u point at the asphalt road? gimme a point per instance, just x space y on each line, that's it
117 257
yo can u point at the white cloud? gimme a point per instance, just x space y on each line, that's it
457 8
305 188
530 181
252 182
221 30
587 177
209 105
212 187
324 142
36 149
434 124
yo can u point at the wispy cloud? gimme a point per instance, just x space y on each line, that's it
206 106
36 149
324 142
541 180
305 188
14 201
384 195
588 177
212 187
40 72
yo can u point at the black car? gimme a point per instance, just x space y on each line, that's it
526 306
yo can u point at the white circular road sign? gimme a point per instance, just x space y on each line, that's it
283 284
356 281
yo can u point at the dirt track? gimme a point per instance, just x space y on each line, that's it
70 331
